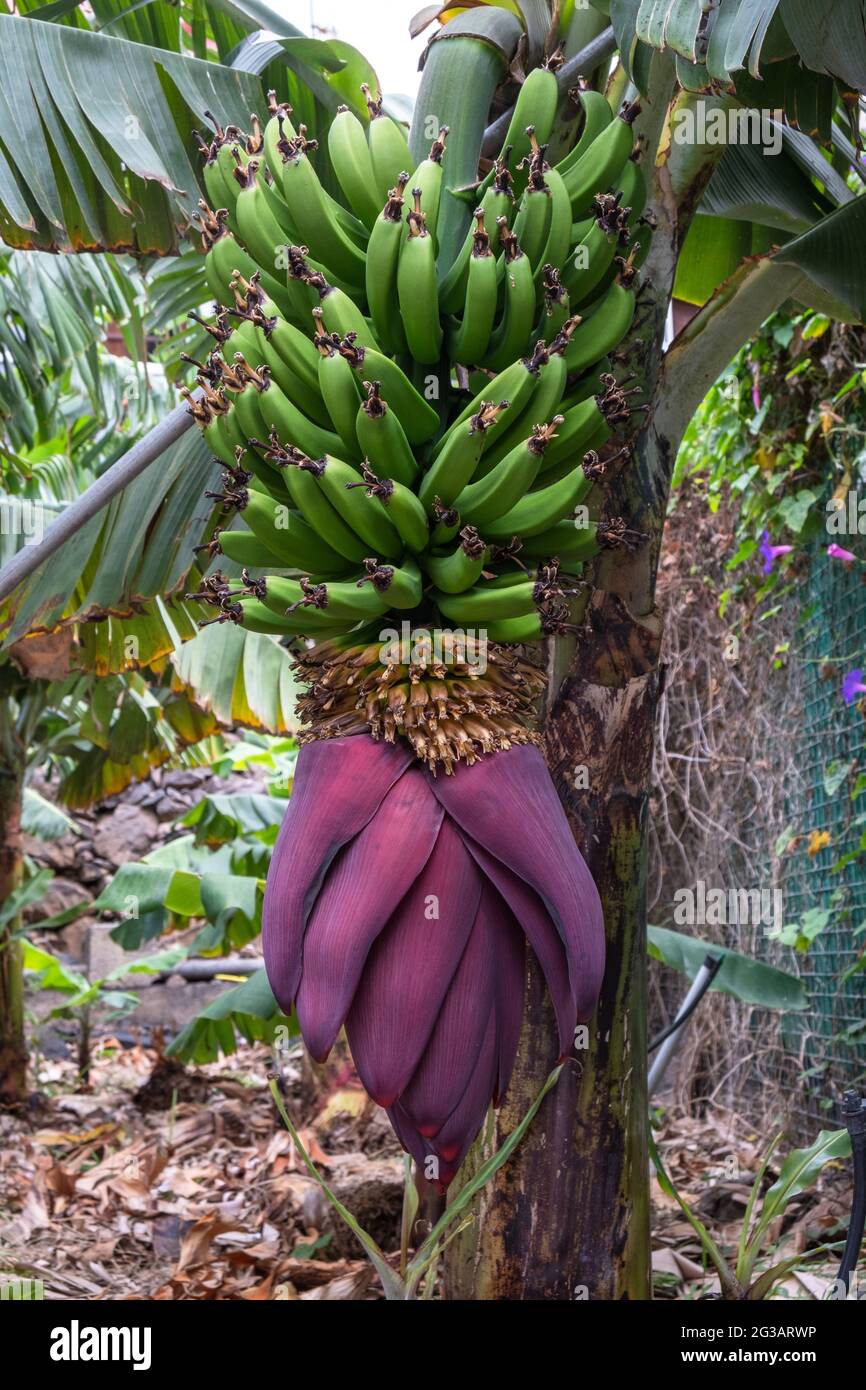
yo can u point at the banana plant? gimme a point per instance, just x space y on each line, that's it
782 224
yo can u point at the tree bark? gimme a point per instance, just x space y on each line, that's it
13 1052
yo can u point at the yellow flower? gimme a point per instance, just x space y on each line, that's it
818 840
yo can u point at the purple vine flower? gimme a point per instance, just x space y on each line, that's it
771 553
852 686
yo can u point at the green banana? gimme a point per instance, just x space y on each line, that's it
518 318
259 230
445 525
483 501
460 569
569 543
532 223
597 116
313 505
511 631
599 335
417 289
584 427
603 162
225 256
310 208
540 510
469 340
403 585
535 107
289 536
278 135
336 479
427 178
455 466
515 385
345 600
293 426
353 165
544 403
589 262
558 243
389 148
339 388
419 419
247 550
383 256
485 604
380 436
497 203
257 617
402 508
340 313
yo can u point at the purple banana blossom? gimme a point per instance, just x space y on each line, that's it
771 553
852 686
400 904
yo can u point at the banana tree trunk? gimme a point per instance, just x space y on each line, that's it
13 1052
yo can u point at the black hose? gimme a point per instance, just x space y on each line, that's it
713 964
854 1110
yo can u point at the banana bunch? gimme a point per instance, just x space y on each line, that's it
404 438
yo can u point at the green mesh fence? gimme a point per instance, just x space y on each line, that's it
822 893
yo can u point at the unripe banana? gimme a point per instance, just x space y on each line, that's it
516 630
313 504
544 403
381 438
353 165
324 601
389 148
535 107
310 209
339 388
383 258
597 116
515 385
599 335
599 168
455 466
497 203
458 570
259 230
417 288
257 617
514 330
292 426
246 549
295 543
401 506
340 313
539 510
419 419
336 478
470 339
484 604
226 256
428 179
569 543
445 524
483 501
278 136
533 220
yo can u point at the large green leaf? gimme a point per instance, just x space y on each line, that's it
771 190
97 135
751 981
249 1009
244 678
831 257
830 37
